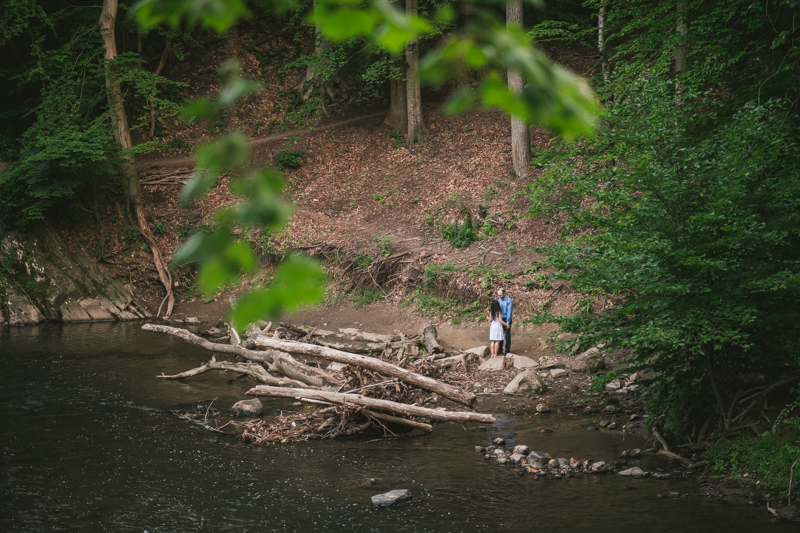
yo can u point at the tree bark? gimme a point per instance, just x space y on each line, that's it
431 343
397 119
416 126
601 42
680 52
372 403
267 356
122 134
158 70
520 133
388 369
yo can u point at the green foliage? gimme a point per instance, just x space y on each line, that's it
552 95
159 228
132 234
459 235
489 228
288 159
768 460
695 237
365 296
599 382
384 245
364 261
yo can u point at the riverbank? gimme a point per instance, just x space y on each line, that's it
567 402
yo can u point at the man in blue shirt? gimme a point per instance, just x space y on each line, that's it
506 306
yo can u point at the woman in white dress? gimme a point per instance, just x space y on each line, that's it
496 336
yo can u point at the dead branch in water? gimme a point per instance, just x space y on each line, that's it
372 403
377 394
371 363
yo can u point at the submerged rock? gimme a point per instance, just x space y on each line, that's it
388 498
248 407
632 472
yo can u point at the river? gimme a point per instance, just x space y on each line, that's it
89 442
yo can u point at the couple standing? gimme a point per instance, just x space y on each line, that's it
500 328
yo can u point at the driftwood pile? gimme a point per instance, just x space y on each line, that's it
358 390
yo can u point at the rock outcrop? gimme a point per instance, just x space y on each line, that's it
41 279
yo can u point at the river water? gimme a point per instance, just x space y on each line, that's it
89 442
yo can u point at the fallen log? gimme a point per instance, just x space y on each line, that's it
430 335
251 369
288 366
260 356
279 362
371 363
426 428
675 457
351 346
372 403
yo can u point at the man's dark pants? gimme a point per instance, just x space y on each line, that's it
507 335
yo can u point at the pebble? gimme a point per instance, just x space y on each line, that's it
499 441
591 428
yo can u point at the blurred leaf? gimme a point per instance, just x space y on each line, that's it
198 185
216 15
299 281
341 23
201 107
237 88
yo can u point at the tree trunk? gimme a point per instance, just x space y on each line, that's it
372 403
680 52
160 67
416 126
431 343
267 356
398 104
122 135
520 133
371 363
601 42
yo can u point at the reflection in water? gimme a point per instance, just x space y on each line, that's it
88 443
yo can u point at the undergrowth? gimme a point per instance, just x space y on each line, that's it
767 460
366 296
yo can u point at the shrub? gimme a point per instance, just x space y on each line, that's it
459 235
288 159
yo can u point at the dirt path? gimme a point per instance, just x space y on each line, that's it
182 161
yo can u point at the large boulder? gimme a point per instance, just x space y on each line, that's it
453 361
589 361
496 363
527 382
391 497
480 351
522 362
46 280
20 310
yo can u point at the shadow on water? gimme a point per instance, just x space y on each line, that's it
88 443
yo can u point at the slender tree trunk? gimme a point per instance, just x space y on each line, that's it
680 52
122 135
160 67
416 126
601 42
520 134
398 104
